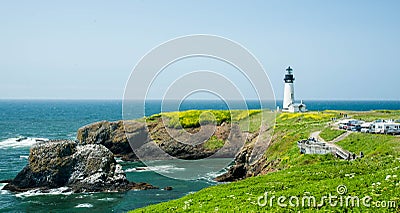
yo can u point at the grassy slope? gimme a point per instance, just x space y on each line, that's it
328 134
300 175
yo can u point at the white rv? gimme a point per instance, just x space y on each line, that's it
368 127
387 128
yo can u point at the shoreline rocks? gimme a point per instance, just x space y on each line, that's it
81 168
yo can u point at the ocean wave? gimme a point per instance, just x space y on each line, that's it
83 196
106 199
38 192
84 205
209 177
161 168
3 192
20 142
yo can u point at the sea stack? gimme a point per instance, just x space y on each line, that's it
76 168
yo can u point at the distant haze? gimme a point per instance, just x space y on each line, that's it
346 50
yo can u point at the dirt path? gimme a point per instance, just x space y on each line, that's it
341 137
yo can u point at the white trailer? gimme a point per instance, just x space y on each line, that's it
387 128
368 127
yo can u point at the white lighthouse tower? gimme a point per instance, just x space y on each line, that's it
288 95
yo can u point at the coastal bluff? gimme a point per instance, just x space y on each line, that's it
76 168
114 136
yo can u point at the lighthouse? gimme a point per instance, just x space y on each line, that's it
288 95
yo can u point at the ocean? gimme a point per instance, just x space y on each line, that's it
24 121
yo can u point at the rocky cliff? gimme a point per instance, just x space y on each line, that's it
243 165
114 136
85 168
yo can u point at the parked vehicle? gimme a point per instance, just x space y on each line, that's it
367 127
378 126
387 128
350 124
343 124
355 128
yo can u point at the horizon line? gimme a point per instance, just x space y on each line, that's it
116 99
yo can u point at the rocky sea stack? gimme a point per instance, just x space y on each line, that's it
80 168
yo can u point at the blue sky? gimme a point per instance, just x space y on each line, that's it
346 50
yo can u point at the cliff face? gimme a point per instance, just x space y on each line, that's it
244 166
87 168
113 135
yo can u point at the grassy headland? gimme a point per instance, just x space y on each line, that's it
376 177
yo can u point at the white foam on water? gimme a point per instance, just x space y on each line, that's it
3 192
209 177
135 170
20 142
161 168
37 192
82 196
84 205
106 199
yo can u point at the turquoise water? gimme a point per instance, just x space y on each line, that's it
30 120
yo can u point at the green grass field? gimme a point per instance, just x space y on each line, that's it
328 134
195 118
373 180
